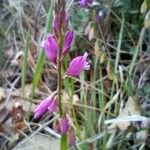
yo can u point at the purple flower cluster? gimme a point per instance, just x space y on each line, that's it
48 104
50 45
61 125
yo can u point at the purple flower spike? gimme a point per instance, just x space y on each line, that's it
77 65
64 124
51 48
68 41
53 106
42 107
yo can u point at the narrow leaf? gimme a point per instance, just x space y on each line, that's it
41 58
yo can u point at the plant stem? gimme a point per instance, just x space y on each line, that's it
63 145
59 87
59 77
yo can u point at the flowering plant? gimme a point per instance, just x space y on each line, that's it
56 47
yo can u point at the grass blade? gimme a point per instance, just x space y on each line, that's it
119 45
41 58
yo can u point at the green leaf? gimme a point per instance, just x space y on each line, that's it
121 3
119 45
147 20
128 87
41 58
144 7
148 4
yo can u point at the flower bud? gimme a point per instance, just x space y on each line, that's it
64 124
61 125
47 103
51 48
53 106
68 41
42 107
77 65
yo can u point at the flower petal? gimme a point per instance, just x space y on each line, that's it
53 106
77 65
42 108
68 41
51 48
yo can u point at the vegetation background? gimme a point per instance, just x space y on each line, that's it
116 34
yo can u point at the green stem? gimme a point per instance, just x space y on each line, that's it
64 145
132 65
59 85
59 76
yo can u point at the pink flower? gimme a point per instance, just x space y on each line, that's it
68 41
51 48
53 106
64 124
77 65
61 125
48 103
